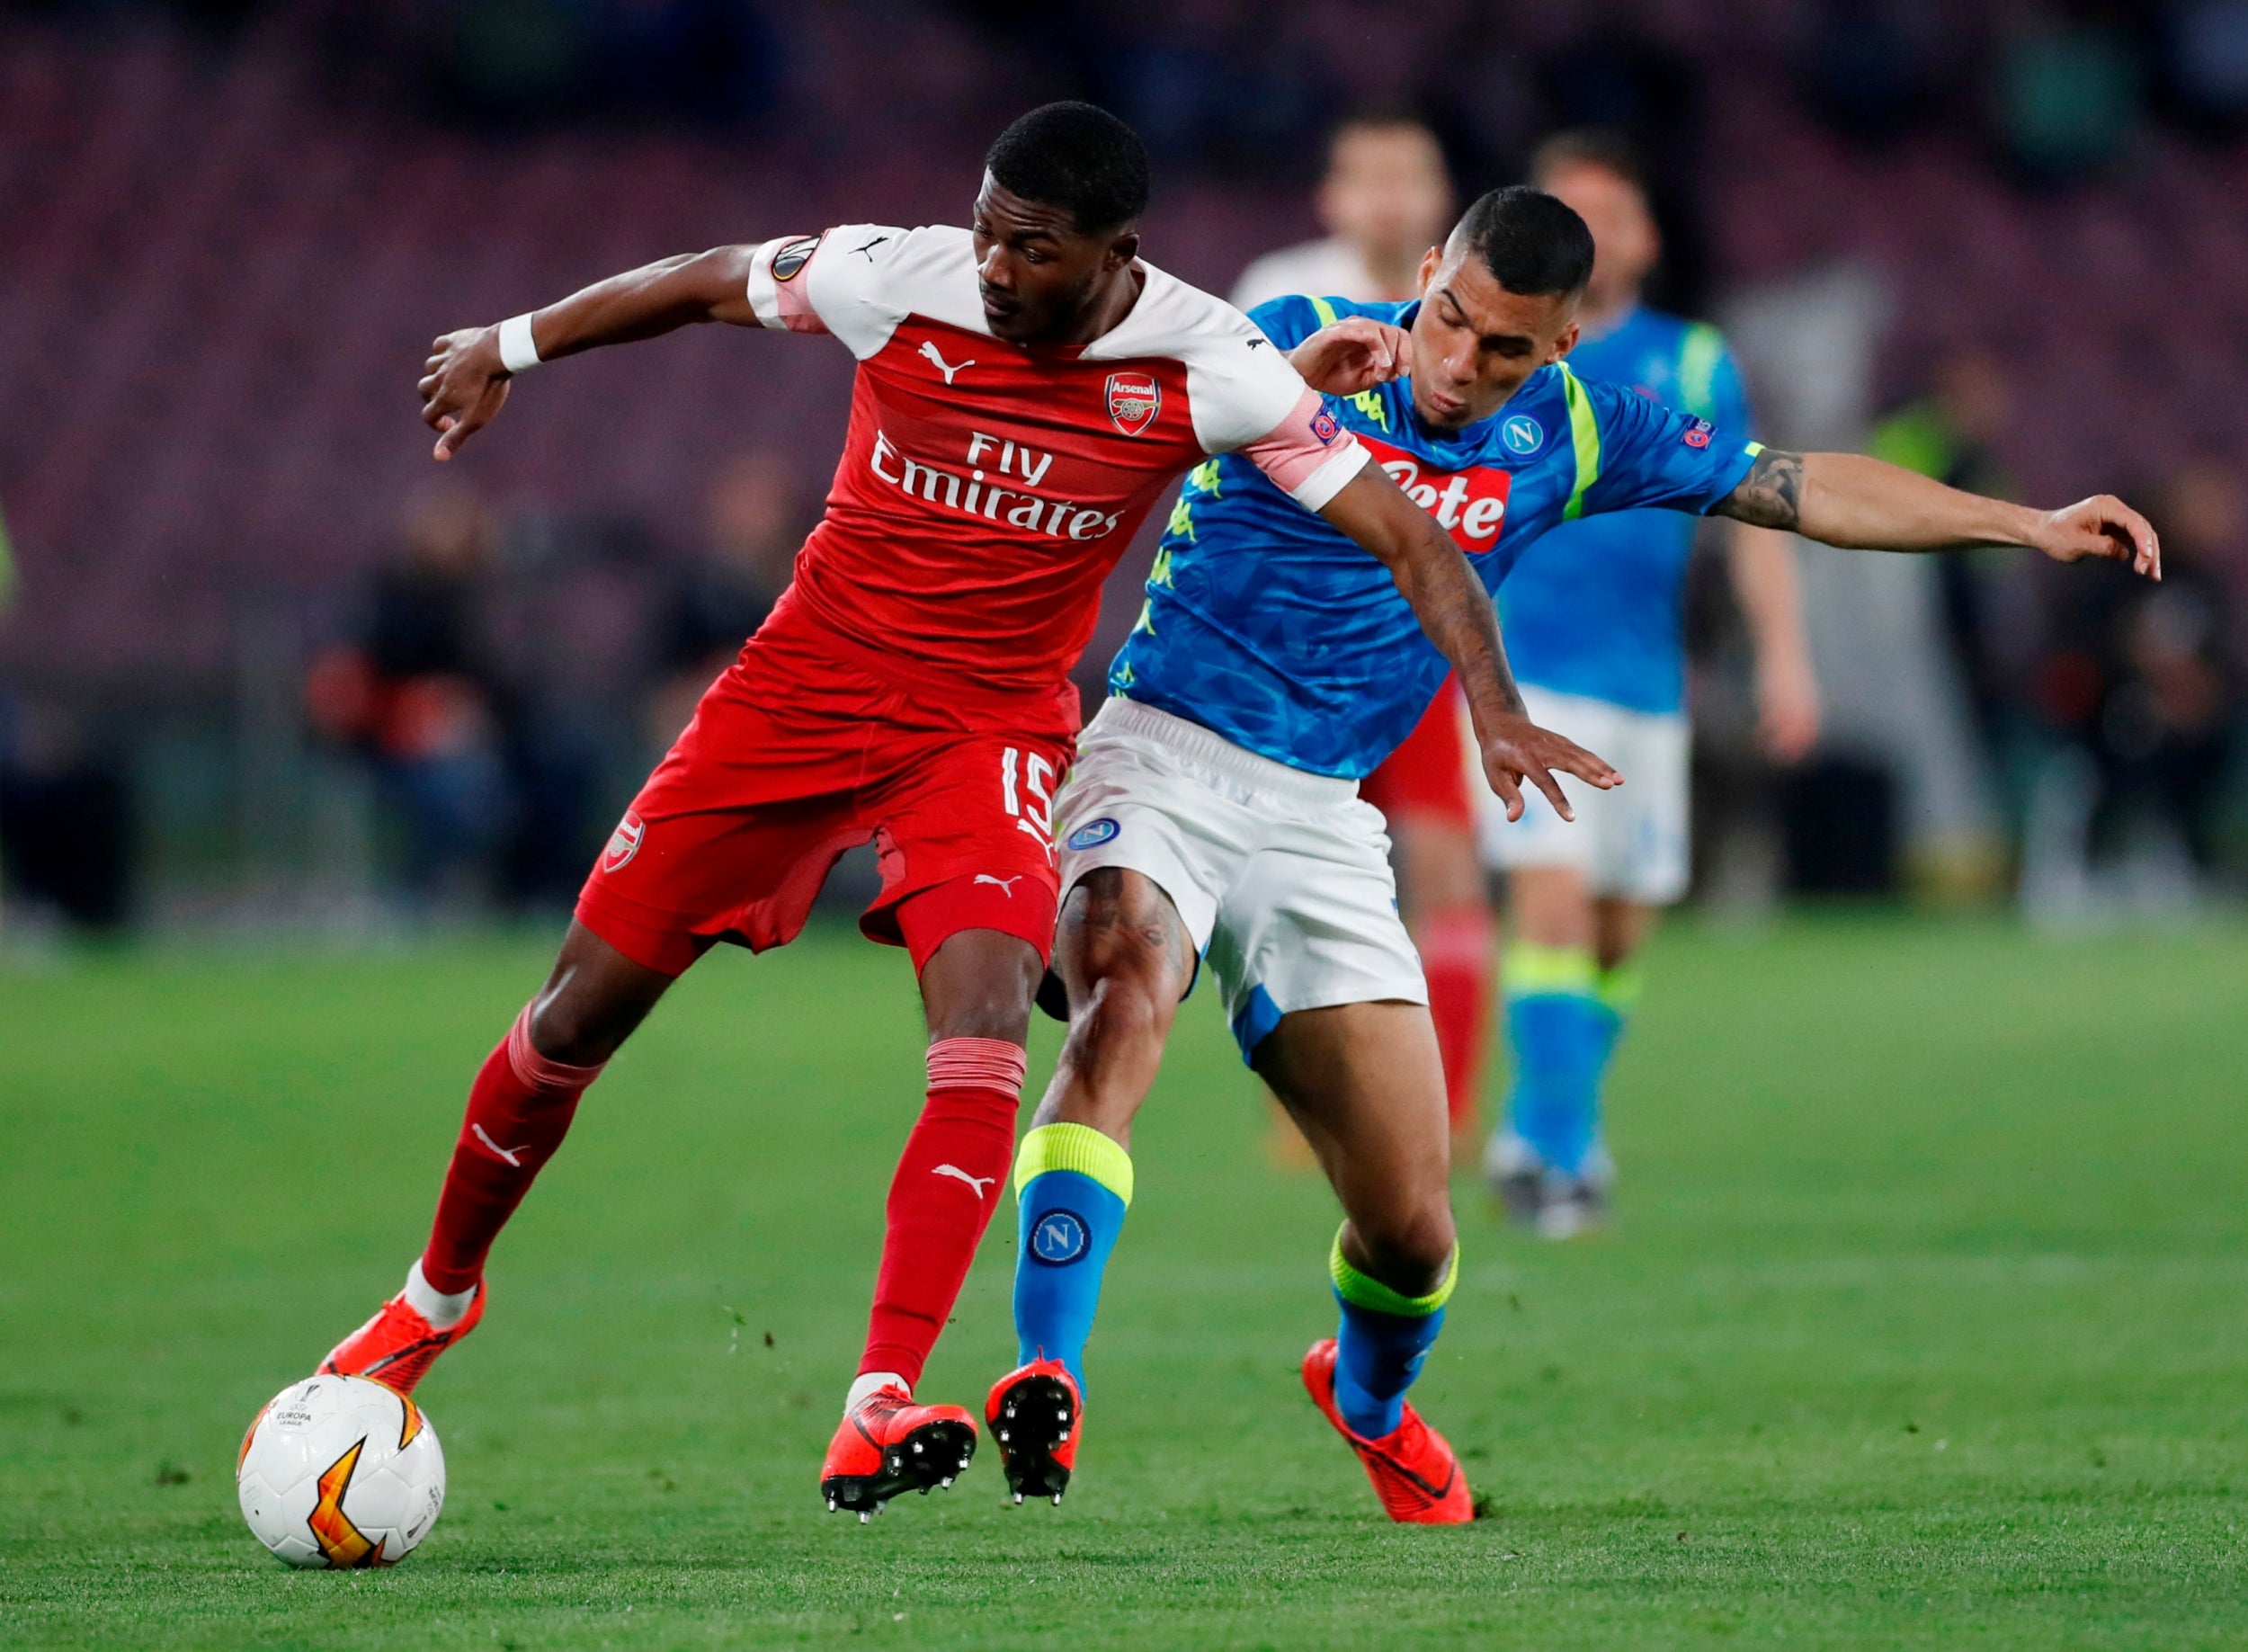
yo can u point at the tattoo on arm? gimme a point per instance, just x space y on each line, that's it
1771 495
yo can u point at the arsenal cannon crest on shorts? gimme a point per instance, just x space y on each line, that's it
1134 400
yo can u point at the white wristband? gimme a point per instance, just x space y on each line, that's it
518 353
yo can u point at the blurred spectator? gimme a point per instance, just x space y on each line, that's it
1384 200
1871 68
2171 716
2204 65
751 527
418 692
2068 96
66 829
1951 434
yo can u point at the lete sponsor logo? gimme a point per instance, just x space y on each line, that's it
1469 505
1134 400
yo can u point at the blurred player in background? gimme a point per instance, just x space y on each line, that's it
1213 816
1385 200
1595 625
1025 390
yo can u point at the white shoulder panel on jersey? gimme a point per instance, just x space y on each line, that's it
1238 385
861 280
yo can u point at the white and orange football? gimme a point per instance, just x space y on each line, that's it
341 1472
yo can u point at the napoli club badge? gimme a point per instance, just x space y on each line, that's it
1134 400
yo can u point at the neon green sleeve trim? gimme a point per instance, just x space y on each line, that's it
1754 448
1531 969
1324 310
1585 430
1074 1147
1365 1292
1698 357
1619 988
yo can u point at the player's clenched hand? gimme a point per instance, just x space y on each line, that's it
1352 355
2103 527
1515 749
464 387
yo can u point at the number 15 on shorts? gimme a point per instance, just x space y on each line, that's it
1026 786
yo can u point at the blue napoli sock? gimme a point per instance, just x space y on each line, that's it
1559 1035
1073 1186
1617 992
1383 1341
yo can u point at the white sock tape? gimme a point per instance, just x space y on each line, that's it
518 353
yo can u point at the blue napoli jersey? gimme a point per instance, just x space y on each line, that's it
1277 631
1628 567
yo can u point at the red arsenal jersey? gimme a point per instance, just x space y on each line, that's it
986 488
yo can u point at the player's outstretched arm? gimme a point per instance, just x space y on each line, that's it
1863 504
1457 613
468 375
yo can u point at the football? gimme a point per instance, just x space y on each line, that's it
341 1472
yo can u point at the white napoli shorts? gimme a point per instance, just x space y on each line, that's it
1631 843
1282 878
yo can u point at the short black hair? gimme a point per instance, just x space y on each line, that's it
1531 243
1075 156
1609 151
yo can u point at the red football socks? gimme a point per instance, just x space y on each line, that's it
1455 946
950 1179
519 1110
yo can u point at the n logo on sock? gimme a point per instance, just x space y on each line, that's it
1057 1239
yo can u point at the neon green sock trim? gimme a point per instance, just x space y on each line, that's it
1364 1290
1074 1147
1619 989
1529 969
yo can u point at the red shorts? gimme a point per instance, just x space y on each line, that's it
803 749
1427 777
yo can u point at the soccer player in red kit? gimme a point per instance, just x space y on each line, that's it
1025 391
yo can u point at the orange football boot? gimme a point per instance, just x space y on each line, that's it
397 1346
1414 1473
1033 1414
887 1445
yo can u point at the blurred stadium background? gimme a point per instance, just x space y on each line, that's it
264 669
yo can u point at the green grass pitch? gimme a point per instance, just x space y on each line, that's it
1925 1322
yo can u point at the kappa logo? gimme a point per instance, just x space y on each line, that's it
1005 885
1094 833
929 349
624 843
1523 435
1134 401
976 1185
1057 1239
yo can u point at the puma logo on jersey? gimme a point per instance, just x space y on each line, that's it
929 349
1004 883
977 1184
509 1154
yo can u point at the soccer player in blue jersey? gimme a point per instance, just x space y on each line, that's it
1213 817
1583 895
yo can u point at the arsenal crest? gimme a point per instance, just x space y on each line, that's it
624 843
1134 400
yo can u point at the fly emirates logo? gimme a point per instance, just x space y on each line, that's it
1469 505
993 481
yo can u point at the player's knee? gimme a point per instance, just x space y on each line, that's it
566 1027
1411 1249
1124 1010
